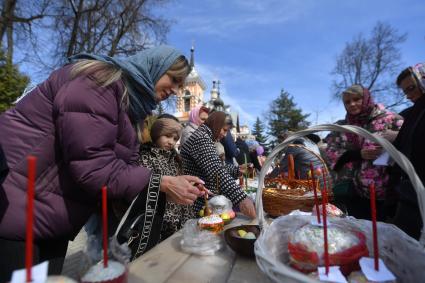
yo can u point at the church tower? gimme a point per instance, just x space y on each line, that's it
192 93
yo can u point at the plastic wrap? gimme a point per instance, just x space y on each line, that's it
91 260
331 210
220 204
346 246
395 248
200 242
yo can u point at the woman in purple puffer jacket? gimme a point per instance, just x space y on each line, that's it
82 125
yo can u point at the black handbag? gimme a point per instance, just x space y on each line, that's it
140 226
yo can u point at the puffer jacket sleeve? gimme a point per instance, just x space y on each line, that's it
87 127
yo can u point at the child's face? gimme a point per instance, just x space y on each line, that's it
167 142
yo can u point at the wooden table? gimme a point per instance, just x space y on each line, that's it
168 263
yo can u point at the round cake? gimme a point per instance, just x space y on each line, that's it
345 246
212 223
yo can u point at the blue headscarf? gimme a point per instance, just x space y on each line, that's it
142 71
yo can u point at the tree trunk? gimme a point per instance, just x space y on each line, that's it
9 54
73 38
6 18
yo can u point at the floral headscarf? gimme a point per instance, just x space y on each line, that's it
363 117
367 105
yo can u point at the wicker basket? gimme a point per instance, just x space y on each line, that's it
277 201
396 248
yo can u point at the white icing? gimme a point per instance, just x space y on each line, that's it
312 237
98 273
211 219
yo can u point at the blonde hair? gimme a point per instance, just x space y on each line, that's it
102 73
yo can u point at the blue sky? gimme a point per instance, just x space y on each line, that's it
257 47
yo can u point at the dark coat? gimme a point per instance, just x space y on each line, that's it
82 139
230 149
410 141
4 170
243 152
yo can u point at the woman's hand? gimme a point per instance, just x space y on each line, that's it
181 189
247 207
371 154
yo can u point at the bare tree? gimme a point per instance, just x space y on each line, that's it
16 20
372 62
109 27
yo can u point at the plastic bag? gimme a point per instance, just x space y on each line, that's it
94 249
396 249
220 204
200 242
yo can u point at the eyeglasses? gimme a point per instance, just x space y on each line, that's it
409 89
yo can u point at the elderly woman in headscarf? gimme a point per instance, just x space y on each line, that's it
82 124
351 156
200 159
197 117
410 142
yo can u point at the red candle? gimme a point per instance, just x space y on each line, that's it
291 167
316 202
375 232
325 229
105 226
30 216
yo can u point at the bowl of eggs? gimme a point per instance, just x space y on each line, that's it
241 239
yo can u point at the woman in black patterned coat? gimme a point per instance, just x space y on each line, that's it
200 159
161 157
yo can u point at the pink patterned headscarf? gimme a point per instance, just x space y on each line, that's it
368 105
194 114
363 117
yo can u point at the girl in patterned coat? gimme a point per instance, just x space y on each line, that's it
161 157
351 156
200 159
